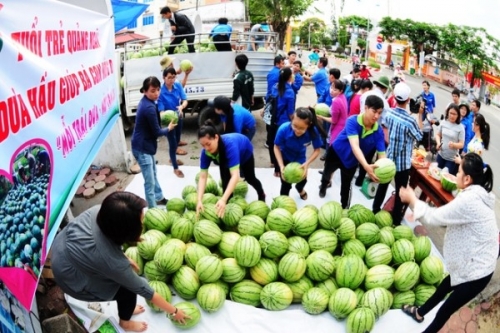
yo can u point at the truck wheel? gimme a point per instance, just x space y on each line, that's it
209 113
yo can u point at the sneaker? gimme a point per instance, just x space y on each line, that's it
322 192
162 202
266 145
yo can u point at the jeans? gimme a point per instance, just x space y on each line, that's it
401 180
126 301
332 163
451 165
174 137
152 187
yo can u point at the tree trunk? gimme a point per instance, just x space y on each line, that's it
280 28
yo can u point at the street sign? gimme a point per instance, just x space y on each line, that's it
379 46
380 39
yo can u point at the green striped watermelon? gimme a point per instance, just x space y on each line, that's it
379 300
316 210
182 229
276 296
319 265
383 219
285 202
378 254
386 170
209 198
360 320
211 297
329 215
359 295
342 302
231 271
292 267
168 258
209 269
280 219
232 215
350 271
402 251
212 187
379 276
209 213
191 216
293 173
305 221
194 252
174 242
133 253
299 288
298 245
368 233
224 285
273 244
240 201
423 292
403 298
402 231
207 233
188 189
157 219
354 246
323 240
315 301
176 205
191 201
264 272
431 270
386 236
258 208
149 244
241 188
226 244
360 214
329 285
191 311
247 251
251 225
246 292
422 246
186 282
406 276
161 288
346 229
153 273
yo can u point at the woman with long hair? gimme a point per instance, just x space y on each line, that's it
450 139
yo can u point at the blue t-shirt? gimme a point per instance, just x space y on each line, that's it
326 97
321 82
242 118
467 122
368 140
298 82
285 105
293 148
272 78
238 151
171 99
222 29
430 101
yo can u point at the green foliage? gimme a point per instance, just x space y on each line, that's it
343 36
362 43
373 64
355 20
317 29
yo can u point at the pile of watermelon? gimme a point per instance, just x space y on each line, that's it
352 263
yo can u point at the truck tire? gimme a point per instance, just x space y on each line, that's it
209 113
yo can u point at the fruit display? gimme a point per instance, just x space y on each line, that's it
353 264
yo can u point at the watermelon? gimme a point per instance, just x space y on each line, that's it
194 252
431 270
264 272
226 244
386 236
329 285
359 295
209 269
186 65
350 271
360 320
403 298
207 233
305 221
378 254
174 242
379 300
322 109
319 265
422 293
323 240
241 189
342 302
188 189
448 182
292 267
258 208
406 276
232 215
273 244
133 253
209 198
385 171
246 292
169 116
191 216
315 301
299 288
379 276
293 173
346 229
231 271
368 233
149 244
422 246
191 201
251 225
209 213
168 258
224 285
402 251
402 231
157 219
329 215
239 201
298 245
212 187
276 296
354 246
383 219
153 273
247 251
211 297
280 219
182 229
162 289
191 311
186 282
360 214
176 205
285 202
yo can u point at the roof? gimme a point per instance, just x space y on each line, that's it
128 36
234 11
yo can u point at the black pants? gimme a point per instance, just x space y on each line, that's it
362 172
248 169
271 135
401 180
222 43
332 163
286 187
126 301
461 295
178 40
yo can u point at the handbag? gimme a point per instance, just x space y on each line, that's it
389 204
270 110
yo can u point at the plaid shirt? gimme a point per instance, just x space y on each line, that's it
403 130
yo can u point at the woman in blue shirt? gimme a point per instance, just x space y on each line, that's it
231 152
144 140
235 118
172 97
466 121
285 107
221 35
291 144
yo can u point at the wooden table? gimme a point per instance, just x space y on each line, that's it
430 187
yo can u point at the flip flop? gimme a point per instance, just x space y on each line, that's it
182 143
181 152
179 173
411 311
303 195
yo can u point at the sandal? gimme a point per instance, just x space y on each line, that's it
178 173
277 175
181 152
411 311
179 162
182 143
303 195
329 185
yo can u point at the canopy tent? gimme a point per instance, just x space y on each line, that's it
125 12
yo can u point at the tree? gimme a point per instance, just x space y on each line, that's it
355 20
317 30
277 13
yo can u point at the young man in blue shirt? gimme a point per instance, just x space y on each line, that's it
430 99
320 78
221 35
361 135
403 132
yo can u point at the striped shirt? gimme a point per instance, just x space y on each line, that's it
403 130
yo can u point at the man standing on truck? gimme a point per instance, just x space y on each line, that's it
181 25
257 39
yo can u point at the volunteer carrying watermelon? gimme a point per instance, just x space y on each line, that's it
470 247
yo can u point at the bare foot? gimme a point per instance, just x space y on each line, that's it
133 326
138 309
